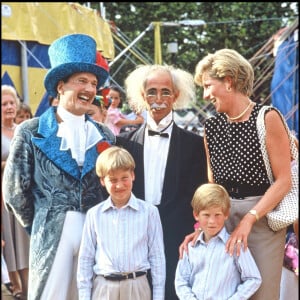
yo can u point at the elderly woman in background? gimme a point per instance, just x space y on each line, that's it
16 248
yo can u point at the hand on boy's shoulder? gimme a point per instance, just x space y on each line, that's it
190 238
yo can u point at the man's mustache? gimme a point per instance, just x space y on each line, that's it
158 106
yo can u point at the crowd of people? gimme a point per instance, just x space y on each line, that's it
92 211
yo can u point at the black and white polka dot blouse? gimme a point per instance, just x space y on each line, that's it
234 151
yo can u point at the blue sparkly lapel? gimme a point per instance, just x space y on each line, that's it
48 142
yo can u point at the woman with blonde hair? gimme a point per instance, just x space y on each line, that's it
16 248
235 161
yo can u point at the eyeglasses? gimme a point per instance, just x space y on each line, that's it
153 95
84 82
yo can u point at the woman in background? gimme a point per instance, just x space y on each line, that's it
23 113
16 248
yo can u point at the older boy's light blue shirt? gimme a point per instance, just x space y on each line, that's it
208 272
127 239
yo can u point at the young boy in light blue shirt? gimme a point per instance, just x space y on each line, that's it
207 271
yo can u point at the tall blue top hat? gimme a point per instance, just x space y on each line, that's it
71 54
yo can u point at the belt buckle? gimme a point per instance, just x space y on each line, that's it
235 191
125 274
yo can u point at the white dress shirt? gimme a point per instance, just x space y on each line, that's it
156 149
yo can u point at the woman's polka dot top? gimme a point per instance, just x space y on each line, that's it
234 151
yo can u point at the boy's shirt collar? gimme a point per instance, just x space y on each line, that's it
222 235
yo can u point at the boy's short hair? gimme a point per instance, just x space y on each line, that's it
211 194
114 158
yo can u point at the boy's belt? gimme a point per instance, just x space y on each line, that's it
123 275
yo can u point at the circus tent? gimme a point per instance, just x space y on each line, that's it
27 31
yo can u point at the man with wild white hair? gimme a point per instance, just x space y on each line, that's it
170 161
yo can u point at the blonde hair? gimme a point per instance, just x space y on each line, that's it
112 159
135 84
10 90
227 62
211 194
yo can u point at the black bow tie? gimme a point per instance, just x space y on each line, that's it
162 134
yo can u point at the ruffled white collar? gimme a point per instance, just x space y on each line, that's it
76 134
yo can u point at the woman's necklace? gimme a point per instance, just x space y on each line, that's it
9 128
241 114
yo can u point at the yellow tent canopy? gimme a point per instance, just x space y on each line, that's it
42 23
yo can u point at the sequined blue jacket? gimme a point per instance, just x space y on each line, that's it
41 183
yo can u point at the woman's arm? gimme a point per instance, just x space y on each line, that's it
138 120
277 144
209 170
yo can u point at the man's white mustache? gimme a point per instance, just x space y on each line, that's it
158 106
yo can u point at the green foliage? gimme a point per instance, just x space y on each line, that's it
243 26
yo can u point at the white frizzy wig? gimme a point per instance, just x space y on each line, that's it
136 82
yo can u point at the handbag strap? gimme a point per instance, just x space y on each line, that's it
261 130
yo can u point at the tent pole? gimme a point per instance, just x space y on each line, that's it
24 70
131 44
